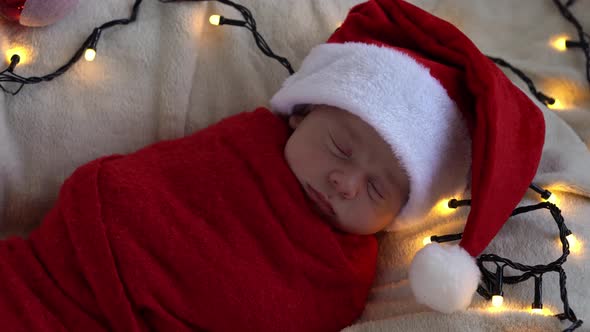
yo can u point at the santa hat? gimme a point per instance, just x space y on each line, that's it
451 117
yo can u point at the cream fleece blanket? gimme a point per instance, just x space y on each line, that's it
172 73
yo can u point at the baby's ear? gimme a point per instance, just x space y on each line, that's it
299 113
295 120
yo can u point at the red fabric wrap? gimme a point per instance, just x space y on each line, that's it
208 232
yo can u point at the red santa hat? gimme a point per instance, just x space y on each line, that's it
451 117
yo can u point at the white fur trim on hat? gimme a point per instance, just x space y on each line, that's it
398 97
444 277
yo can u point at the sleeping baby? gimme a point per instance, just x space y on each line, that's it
266 221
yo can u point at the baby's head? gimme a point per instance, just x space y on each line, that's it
406 93
376 138
346 168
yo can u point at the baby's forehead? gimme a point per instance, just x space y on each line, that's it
357 128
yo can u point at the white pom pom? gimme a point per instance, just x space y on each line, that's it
444 277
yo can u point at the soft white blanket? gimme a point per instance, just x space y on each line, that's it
172 73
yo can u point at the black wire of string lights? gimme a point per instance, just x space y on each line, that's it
584 38
88 48
249 23
543 98
493 280
583 43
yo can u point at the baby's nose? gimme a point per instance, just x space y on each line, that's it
347 184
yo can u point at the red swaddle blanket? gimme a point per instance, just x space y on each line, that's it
207 232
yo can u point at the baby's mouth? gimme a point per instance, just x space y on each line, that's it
320 201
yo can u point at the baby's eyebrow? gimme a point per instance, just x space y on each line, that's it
393 183
352 133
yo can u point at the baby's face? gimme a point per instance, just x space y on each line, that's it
347 170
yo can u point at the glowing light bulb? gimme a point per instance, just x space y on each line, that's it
442 207
214 19
20 51
553 199
571 238
90 54
426 241
557 105
575 244
537 311
497 301
558 42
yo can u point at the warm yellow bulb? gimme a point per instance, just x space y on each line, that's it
557 105
497 300
571 238
442 207
90 54
559 43
20 51
553 199
537 311
426 241
214 19
575 244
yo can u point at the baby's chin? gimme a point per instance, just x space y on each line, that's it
331 220
353 228
341 227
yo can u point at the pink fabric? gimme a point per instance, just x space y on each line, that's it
208 232
38 13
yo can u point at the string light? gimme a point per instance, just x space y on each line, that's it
537 305
14 60
584 39
575 245
570 237
443 207
442 238
497 300
574 44
20 51
557 105
454 203
558 43
545 194
88 48
543 98
214 19
89 43
553 199
498 297
221 20
248 23
493 281
561 43
90 54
